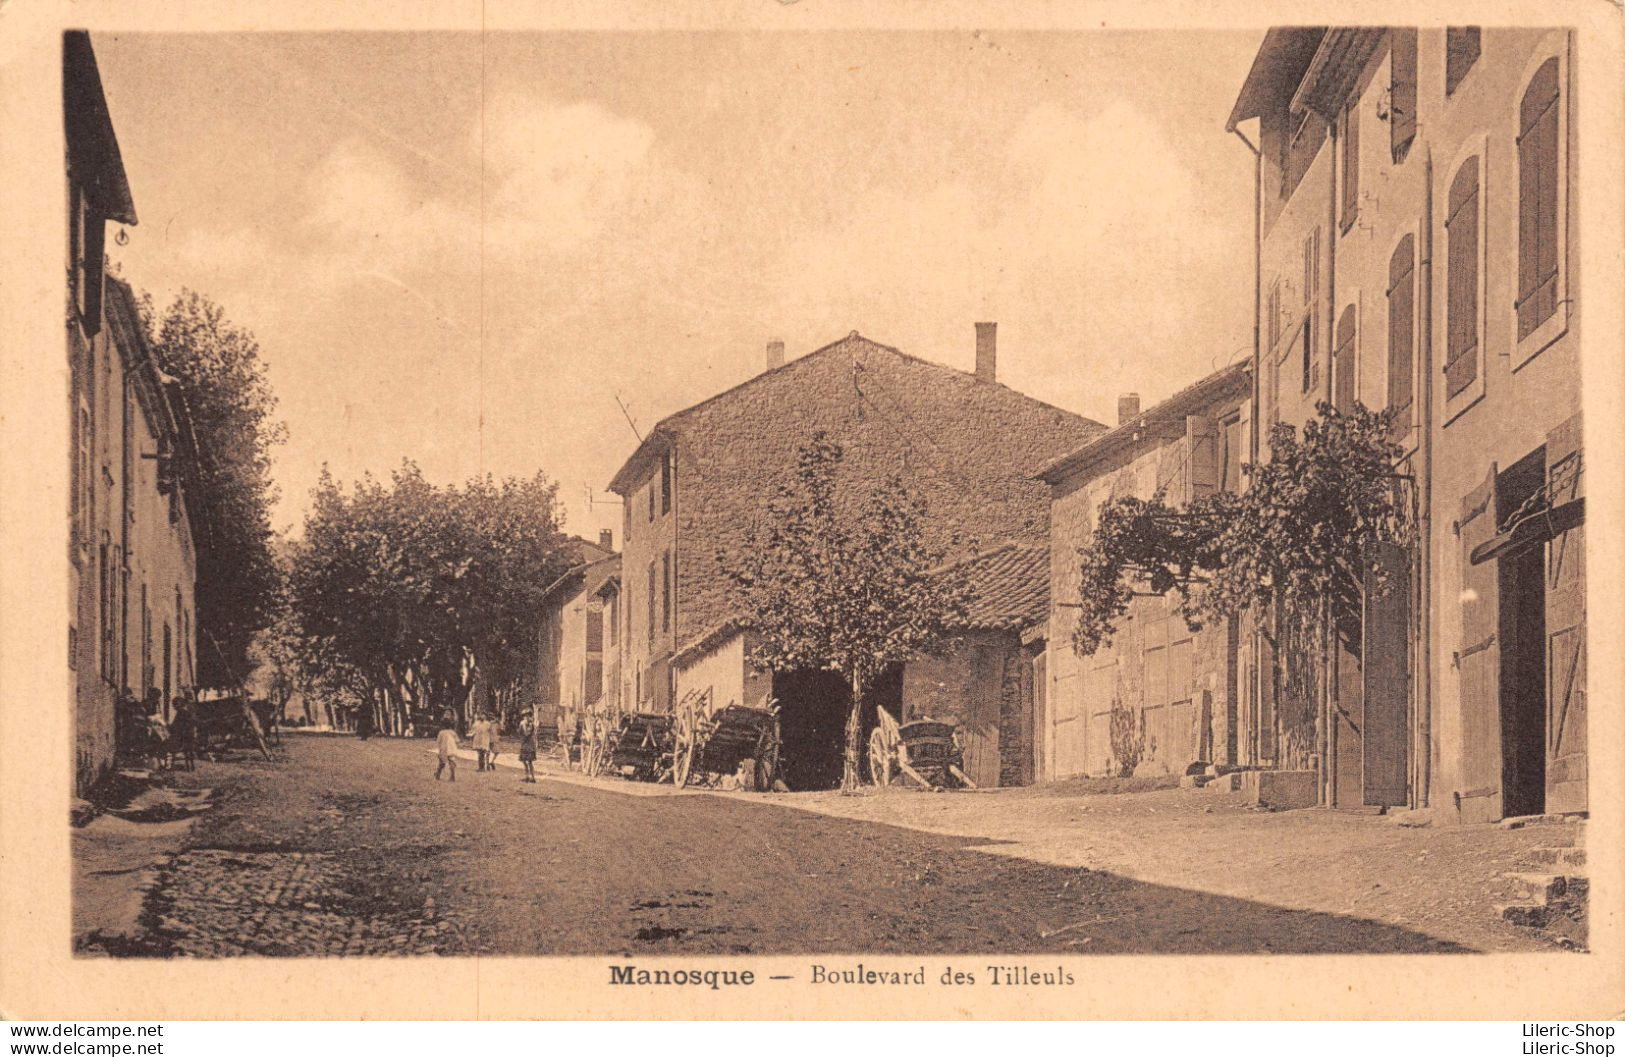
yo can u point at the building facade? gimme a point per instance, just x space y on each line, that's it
1417 253
579 668
132 633
1180 688
697 484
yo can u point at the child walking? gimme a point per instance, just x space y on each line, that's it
480 733
447 744
527 748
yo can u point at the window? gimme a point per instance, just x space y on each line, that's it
1402 333
1344 374
84 476
1306 344
665 591
595 627
1461 281
1461 52
1538 217
614 617
665 483
653 487
1351 164
1272 390
1230 454
1311 267
1274 323
1402 92
653 612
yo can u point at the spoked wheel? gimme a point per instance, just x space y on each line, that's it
881 758
682 749
767 766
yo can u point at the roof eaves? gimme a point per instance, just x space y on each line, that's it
1213 387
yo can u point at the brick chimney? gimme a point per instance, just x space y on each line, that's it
1128 408
775 354
987 351
606 539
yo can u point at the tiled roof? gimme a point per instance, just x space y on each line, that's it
1009 586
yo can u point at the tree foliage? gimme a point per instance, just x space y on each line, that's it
1295 537
839 577
407 595
227 398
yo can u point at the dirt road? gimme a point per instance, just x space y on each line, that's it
342 846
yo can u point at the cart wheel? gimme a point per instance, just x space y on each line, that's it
682 762
767 767
880 758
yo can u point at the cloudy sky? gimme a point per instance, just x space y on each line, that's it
464 249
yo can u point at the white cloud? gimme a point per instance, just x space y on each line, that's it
560 173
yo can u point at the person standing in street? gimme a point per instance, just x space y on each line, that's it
480 733
527 749
446 744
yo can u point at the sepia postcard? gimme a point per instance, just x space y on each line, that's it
786 508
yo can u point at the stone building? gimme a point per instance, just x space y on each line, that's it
131 623
580 636
1181 687
987 677
1418 252
696 485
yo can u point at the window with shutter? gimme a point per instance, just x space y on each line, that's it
1401 333
1343 366
1402 93
653 601
595 628
665 483
665 591
1306 345
1351 164
1462 264
1461 52
1275 316
1537 200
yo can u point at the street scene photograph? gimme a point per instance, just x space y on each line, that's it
920 492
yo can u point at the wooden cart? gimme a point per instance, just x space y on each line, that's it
924 750
711 743
638 745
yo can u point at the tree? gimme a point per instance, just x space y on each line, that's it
227 399
410 594
841 579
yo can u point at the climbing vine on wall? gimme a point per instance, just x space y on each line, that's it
1293 541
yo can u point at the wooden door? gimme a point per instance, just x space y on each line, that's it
1566 760
1477 660
1040 714
1386 649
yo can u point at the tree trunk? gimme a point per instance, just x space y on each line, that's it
850 779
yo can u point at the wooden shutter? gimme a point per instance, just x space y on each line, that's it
1537 200
1343 363
1401 334
1402 92
1461 51
1478 660
665 591
595 628
1566 757
1461 236
1351 164
1202 455
1385 645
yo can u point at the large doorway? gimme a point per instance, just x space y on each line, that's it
1522 586
813 707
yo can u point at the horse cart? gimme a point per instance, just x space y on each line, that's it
631 743
710 744
925 751
231 722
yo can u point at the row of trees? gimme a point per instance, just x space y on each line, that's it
405 599
219 379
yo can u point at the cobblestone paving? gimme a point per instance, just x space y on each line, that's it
213 901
